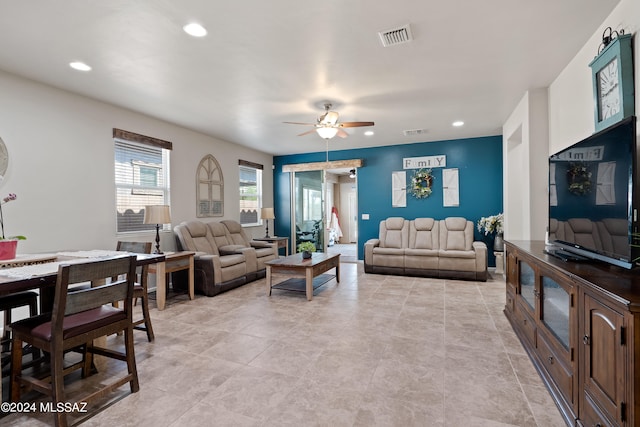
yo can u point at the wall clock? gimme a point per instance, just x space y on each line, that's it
612 76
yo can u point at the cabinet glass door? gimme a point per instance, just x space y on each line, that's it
555 310
527 284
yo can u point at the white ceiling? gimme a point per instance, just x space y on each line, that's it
265 62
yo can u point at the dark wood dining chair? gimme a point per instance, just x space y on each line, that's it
8 303
78 318
140 288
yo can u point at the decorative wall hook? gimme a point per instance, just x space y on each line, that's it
608 35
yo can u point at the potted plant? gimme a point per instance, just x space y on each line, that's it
306 248
8 245
493 224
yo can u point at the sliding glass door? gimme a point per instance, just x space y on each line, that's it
308 208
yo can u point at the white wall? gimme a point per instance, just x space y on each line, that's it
524 142
61 167
546 121
571 101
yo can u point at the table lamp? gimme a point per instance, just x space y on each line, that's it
267 214
157 214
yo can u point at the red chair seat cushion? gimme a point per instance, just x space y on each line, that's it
74 324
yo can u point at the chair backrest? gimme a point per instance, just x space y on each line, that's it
456 233
423 233
134 247
103 292
195 236
394 233
137 248
236 233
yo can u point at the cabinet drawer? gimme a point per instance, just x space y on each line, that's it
525 323
557 368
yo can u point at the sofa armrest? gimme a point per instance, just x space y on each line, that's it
260 244
480 248
368 250
231 249
272 245
213 260
250 256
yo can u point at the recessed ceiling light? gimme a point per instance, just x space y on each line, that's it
369 132
195 30
457 123
80 66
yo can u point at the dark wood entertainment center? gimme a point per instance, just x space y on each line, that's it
580 324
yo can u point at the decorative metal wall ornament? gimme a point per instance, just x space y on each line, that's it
209 188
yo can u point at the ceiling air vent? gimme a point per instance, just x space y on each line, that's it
396 36
414 132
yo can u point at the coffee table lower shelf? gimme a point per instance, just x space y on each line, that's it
299 284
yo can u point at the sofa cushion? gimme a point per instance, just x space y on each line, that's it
235 233
194 236
423 233
456 234
229 260
394 233
219 234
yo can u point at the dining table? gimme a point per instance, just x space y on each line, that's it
39 271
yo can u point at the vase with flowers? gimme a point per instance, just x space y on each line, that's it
8 245
493 224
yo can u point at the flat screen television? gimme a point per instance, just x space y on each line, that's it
593 198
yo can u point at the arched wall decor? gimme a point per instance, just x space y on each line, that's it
209 188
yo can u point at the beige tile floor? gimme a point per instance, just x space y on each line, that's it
372 351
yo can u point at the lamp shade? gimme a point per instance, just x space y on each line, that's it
157 214
267 213
327 132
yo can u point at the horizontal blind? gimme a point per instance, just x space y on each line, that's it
141 178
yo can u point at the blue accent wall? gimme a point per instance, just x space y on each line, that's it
479 161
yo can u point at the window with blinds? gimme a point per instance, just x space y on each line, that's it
250 193
141 178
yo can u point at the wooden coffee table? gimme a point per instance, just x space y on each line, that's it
312 269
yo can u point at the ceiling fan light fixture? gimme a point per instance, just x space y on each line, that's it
327 132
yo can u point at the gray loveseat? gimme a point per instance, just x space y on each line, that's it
225 256
427 247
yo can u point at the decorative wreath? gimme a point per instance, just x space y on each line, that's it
579 179
421 183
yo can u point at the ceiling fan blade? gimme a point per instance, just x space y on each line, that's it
307 132
355 124
299 123
342 134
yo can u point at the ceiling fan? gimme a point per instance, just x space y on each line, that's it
328 126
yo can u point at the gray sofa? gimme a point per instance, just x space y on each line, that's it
225 256
427 247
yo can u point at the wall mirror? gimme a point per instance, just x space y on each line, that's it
4 158
209 188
